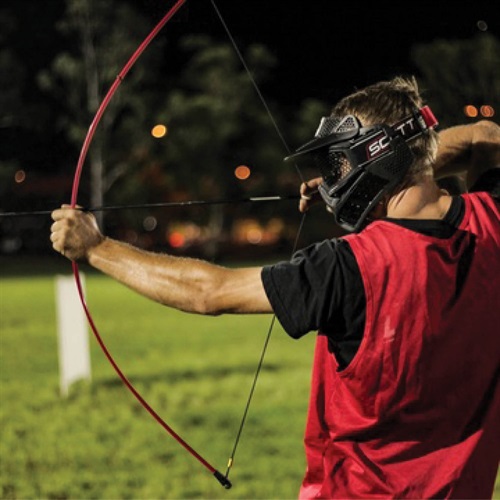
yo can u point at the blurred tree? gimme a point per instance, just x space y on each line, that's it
215 119
12 74
100 38
460 72
27 144
217 122
24 117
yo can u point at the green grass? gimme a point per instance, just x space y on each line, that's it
195 371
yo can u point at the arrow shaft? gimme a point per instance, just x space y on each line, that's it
167 204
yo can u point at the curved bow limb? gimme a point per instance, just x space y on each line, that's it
74 195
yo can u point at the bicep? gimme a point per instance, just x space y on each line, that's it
239 291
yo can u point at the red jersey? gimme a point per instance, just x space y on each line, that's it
416 414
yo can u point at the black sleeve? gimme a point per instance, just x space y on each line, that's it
489 181
310 292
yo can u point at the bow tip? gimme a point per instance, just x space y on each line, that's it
222 480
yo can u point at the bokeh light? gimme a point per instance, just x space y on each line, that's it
482 25
176 239
242 172
150 223
159 131
487 111
20 176
470 111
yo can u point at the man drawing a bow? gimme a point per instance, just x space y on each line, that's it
405 400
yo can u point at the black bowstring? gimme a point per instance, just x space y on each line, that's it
295 244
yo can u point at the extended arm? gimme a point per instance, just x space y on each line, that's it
183 283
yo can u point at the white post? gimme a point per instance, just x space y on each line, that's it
74 354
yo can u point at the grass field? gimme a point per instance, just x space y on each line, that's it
195 371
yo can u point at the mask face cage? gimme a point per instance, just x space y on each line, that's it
354 196
359 165
335 163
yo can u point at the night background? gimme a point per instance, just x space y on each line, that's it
59 58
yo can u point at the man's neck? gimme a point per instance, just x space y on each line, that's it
424 200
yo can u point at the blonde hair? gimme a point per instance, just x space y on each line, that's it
388 102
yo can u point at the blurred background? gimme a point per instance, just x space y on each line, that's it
188 124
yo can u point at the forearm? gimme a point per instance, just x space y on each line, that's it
468 150
183 283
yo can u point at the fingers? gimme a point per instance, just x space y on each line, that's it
304 203
64 211
60 228
57 237
74 232
309 193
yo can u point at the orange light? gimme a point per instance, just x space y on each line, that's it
242 172
487 111
470 111
176 240
254 235
159 131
